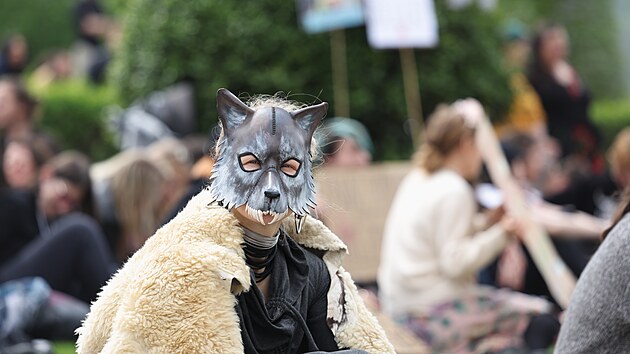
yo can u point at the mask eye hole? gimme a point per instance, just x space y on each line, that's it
291 167
249 162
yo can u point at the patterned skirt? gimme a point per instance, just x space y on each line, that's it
488 321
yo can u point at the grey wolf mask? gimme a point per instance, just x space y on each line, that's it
264 159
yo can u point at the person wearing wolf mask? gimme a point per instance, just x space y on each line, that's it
241 268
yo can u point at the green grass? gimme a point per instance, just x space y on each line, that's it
611 116
64 348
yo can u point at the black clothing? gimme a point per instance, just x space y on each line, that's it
70 253
595 195
541 332
5 67
73 259
293 319
18 224
567 114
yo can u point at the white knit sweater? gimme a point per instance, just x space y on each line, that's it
431 251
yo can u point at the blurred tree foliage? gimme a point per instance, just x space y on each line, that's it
611 116
73 112
256 47
594 45
45 24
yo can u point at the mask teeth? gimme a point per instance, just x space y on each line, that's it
277 217
260 217
299 221
251 212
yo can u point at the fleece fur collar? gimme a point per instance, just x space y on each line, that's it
177 293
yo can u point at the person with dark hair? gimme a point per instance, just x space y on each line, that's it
526 113
23 157
49 234
598 317
14 55
90 56
17 111
565 98
242 268
569 229
599 195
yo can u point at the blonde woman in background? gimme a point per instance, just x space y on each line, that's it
435 243
139 191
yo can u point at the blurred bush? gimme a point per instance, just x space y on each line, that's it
611 116
74 113
45 24
468 62
253 47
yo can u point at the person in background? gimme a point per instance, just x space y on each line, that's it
50 233
599 195
139 191
598 317
23 158
90 55
345 142
14 56
173 159
434 244
526 114
199 149
17 111
566 100
569 229
529 164
56 67
47 253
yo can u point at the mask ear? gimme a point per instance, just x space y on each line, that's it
232 111
308 118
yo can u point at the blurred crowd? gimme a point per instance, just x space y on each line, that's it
67 224
96 34
454 268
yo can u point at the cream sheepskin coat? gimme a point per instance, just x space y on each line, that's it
177 293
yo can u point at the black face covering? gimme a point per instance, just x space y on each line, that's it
264 158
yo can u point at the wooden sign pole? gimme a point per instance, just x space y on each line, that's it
556 274
340 72
412 94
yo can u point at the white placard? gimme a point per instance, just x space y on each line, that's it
401 23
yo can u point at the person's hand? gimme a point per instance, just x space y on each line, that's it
512 267
513 226
495 215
